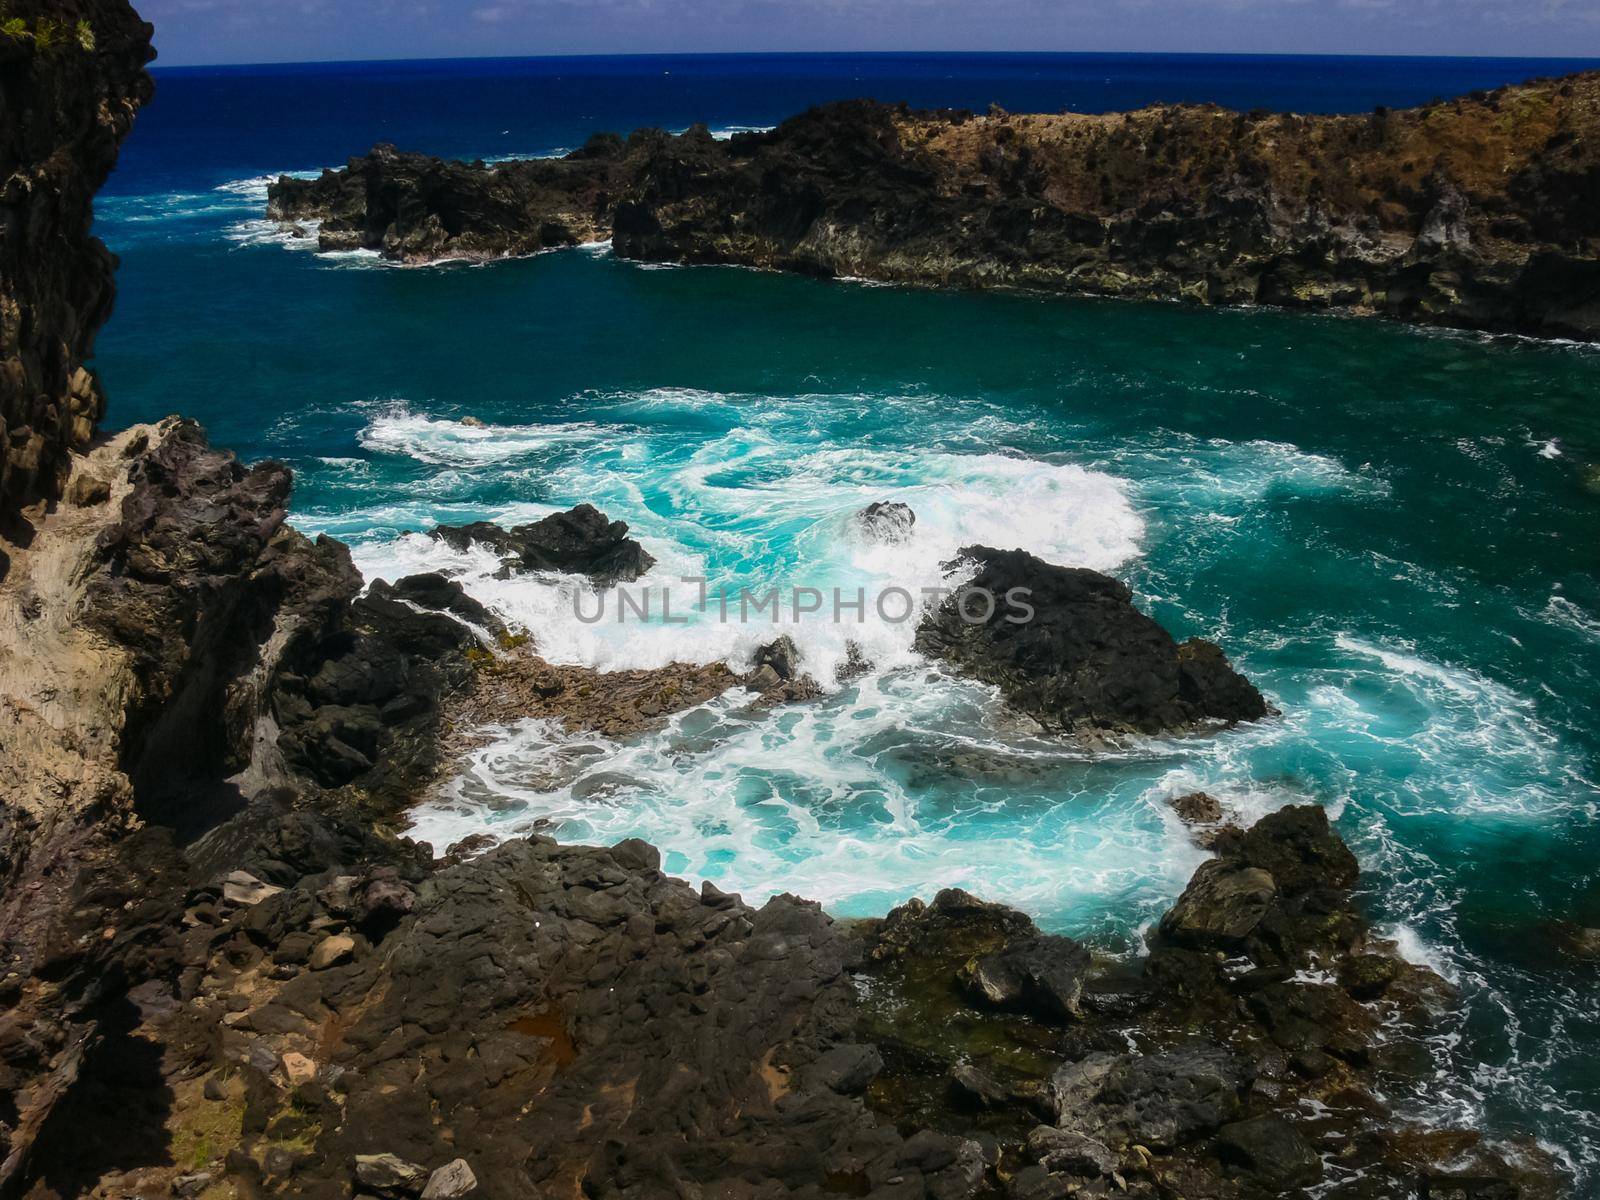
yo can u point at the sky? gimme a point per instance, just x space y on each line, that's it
237 31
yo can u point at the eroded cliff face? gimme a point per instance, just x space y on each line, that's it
1478 213
72 76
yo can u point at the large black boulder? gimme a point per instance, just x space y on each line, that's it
1085 660
582 541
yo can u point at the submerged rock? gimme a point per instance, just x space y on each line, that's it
582 541
1067 646
886 521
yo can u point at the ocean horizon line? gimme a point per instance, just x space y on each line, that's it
158 68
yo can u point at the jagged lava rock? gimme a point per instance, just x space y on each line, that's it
67 109
1087 660
582 541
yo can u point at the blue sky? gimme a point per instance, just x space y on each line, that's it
231 31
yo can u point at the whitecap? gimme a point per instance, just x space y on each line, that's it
443 442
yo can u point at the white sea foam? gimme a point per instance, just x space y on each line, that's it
261 232
813 800
748 512
1411 946
1564 614
445 442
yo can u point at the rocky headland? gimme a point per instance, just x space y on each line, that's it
1477 212
223 973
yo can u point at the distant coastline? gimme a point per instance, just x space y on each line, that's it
1472 213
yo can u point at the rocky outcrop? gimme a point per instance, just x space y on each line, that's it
1067 646
1476 213
583 541
1247 1066
415 208
71 78
335 1015
178 660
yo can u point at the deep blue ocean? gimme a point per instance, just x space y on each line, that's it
1392 530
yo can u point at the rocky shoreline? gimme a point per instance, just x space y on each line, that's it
224 974
1475 213
232 958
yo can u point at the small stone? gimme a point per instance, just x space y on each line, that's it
191 1185
297 1068
1366 976
390 1172
214 1088
1196 808
331 951
85 490
474 422
281 1161
1270 1151
294 948
973 1087
449 1181
1060 1150
244 890
636 854
1035 1183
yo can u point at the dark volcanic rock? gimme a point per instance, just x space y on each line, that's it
887 521
1222 906
68 104
254 655
1279 894
956 925
1449 214
1086 660
583 541
667 1035
1159 1101
1196 808
432 590
1270 1151
1040 975
415 208
780 656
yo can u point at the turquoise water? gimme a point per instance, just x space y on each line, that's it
1392 531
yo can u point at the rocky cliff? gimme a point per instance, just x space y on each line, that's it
1479 212
71 78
